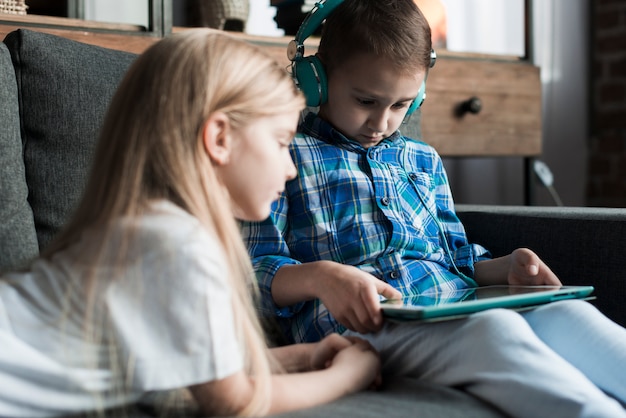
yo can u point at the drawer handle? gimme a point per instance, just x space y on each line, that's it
472 105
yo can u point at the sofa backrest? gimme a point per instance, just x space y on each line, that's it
63 88
18 239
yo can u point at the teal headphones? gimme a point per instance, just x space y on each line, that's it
309 73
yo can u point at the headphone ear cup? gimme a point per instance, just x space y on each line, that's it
311 78
419 100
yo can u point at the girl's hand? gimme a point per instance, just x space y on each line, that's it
359 364
526 268
323 352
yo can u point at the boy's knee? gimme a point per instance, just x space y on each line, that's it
499 325
566 314
565 309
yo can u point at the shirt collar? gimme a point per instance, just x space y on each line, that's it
315 126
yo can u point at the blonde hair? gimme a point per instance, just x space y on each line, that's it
150 147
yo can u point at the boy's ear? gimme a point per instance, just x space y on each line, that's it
216 138
321 57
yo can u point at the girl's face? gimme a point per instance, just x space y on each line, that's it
260 164
368 98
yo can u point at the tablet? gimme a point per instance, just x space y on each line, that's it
460 303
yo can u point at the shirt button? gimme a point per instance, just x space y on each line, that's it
413 176
394 275
385 201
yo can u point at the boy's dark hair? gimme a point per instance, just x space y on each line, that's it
395 30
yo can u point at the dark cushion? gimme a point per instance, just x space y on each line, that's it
403 397
64 88
18 240
583 246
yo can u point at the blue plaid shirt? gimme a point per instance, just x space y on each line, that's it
385 210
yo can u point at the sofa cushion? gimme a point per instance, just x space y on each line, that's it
403 397
582 245
18 240
64 88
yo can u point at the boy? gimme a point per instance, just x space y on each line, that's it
371 214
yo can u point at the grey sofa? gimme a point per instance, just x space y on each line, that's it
53 94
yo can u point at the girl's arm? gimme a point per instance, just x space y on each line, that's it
521 267
352 369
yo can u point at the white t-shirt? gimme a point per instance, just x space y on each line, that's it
167 324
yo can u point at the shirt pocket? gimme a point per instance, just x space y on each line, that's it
422 185
418 196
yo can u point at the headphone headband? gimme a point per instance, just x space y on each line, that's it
312 21
315 17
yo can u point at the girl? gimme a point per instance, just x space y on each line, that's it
147 288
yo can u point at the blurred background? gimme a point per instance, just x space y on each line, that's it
580 46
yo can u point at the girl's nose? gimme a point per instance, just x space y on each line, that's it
291 169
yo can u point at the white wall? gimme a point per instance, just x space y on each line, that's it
120 11
261 19
488 26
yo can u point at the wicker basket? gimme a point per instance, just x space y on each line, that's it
14 7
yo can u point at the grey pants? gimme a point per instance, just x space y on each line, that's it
564 359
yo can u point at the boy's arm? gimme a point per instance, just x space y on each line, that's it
351 295
269 252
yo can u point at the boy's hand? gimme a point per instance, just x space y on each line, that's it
352 297
526 268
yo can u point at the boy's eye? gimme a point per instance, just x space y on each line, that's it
365 102
401 105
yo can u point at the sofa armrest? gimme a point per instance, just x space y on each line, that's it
583 246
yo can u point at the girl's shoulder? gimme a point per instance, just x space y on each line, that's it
164 229
168 221
166 242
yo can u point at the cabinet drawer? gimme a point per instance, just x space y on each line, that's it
508 121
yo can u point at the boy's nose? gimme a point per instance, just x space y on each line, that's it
378 121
